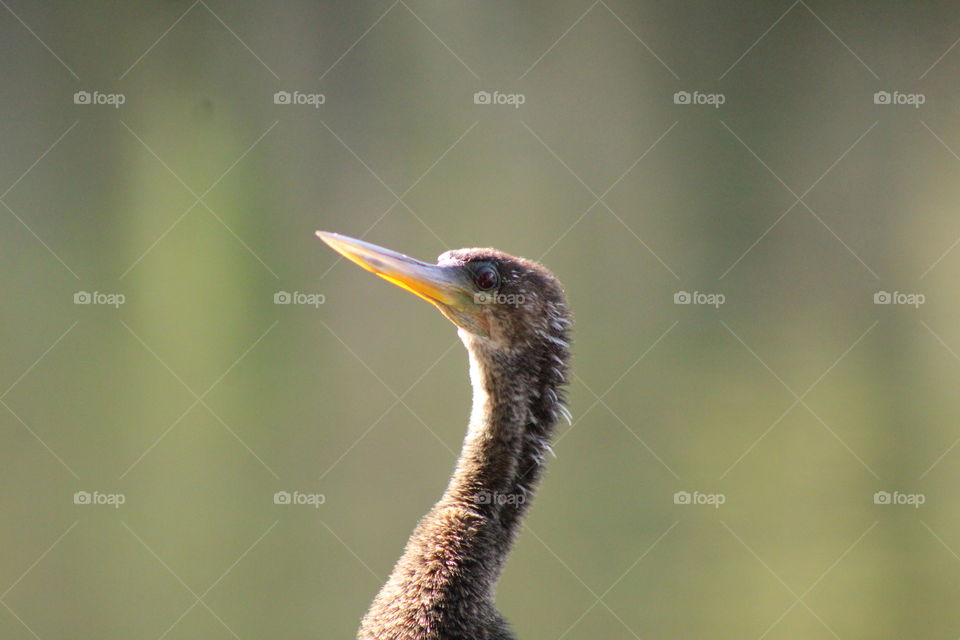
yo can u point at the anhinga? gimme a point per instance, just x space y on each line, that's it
512 316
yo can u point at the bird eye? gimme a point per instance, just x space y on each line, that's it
486 278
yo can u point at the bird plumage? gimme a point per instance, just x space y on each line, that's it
517 335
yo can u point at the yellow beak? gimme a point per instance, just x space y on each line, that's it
437 285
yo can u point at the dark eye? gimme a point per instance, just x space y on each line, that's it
486 278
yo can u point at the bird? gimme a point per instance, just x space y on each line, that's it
512 316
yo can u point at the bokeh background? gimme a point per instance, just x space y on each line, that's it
798 199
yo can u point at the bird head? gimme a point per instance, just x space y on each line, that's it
507 303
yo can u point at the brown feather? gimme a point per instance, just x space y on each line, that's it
442 588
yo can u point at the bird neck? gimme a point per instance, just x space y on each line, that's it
510 390
517 400
443 584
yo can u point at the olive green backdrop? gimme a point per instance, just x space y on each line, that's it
775 459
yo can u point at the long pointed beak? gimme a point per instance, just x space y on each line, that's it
437 285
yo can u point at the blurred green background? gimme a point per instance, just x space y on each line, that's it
800 198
